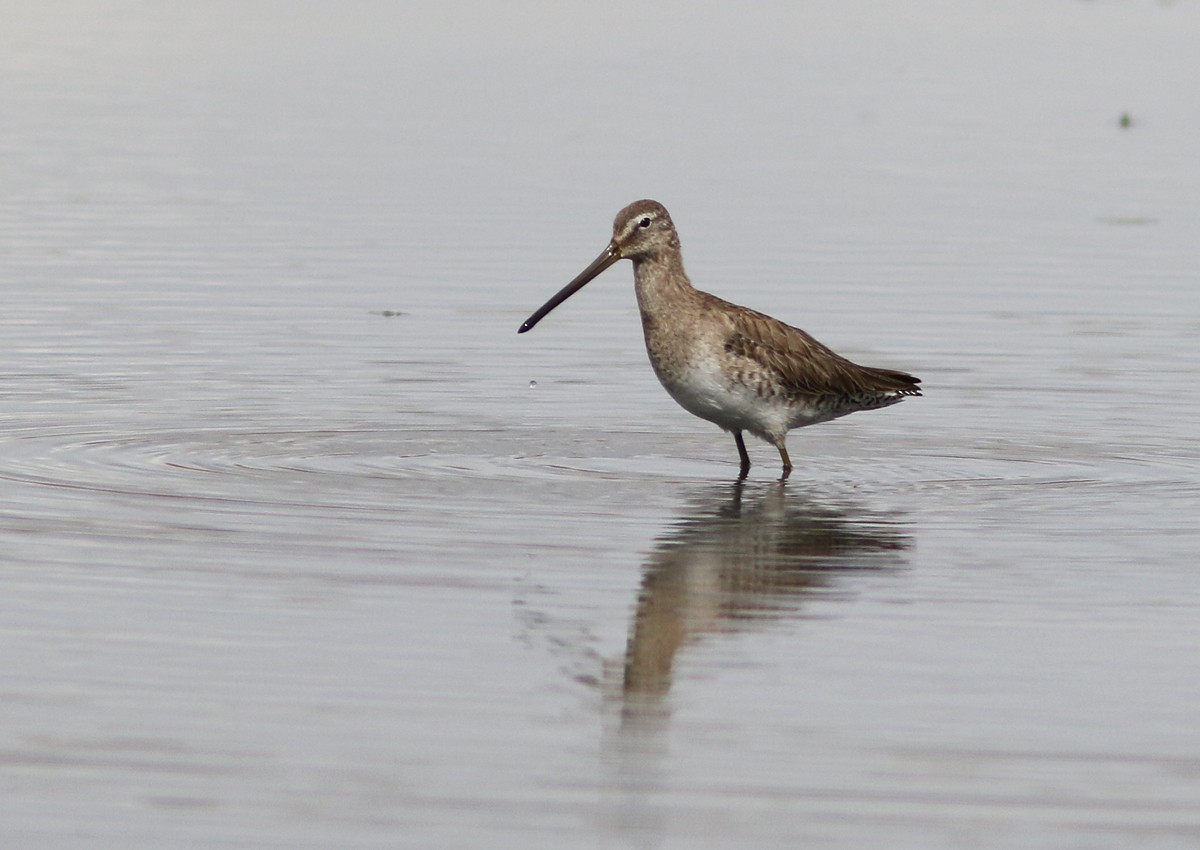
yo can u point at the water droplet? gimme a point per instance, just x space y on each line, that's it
533 385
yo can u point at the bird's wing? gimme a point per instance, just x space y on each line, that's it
804 365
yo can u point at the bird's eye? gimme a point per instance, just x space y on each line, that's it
644 223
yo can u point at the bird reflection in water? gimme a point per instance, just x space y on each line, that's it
743 554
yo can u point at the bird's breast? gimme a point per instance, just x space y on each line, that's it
698 373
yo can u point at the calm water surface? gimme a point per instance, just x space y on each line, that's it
303 546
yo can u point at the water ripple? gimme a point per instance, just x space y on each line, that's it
224 463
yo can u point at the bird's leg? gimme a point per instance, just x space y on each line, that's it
783 455
745 458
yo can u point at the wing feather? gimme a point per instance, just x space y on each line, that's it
804 366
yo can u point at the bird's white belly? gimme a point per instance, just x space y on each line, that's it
744 402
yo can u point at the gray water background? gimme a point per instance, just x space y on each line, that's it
302 546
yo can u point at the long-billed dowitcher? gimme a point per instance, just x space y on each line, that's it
733 366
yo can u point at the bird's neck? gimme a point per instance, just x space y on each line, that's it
661 283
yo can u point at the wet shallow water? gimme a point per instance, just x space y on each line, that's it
302 546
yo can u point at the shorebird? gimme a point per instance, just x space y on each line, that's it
739 369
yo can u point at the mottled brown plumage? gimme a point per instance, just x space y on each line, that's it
805 367
733 366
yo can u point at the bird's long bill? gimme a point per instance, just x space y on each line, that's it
611 255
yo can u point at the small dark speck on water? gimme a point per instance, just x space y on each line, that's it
533 385
387 313
1125 121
